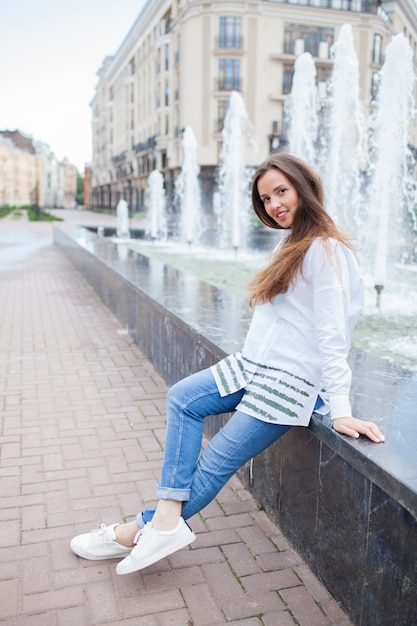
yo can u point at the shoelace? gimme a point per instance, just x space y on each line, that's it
100 534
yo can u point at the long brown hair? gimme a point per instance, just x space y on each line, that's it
310 222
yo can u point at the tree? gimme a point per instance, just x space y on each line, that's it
79 196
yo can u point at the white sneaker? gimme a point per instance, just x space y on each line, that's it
153 545
99 544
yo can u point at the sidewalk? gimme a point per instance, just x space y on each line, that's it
81 432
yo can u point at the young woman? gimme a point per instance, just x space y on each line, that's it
306 302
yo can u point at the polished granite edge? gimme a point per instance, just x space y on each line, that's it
383 392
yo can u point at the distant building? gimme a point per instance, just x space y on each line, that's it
180 61
23 142
87 185
19 172
69 173
31 174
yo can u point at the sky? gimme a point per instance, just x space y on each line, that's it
50 52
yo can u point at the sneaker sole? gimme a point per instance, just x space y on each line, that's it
92 557
101 558
130 566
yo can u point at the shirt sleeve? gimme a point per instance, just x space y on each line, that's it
329 274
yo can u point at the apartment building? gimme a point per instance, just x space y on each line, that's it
30 173
19 173
181 60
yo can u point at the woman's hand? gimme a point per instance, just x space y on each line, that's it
354 427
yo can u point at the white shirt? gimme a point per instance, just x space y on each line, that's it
297 345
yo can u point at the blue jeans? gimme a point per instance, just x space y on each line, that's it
188 477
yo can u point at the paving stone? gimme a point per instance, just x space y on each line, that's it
174 618
174 579
222 581
8 599
241 559
202 605
269 581
303 606
251 605
152 603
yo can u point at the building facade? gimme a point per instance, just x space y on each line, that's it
87 185
19 172
31 174
181 60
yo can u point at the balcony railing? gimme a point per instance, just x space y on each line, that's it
149 144
356 6
232 42
228 84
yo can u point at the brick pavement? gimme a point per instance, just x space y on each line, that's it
82 430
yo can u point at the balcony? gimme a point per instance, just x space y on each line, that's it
143 146
321 54
355 6
228 84
233 45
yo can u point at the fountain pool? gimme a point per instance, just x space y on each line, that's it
389 332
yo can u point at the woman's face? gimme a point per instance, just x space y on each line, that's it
279 196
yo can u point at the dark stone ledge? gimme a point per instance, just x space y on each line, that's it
348 506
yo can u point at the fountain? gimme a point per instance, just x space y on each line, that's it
122 213
187 189
392 191
158 227
234 176
393 334
343 154
387 195
358 179
301 110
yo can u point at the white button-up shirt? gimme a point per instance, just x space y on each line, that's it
297 345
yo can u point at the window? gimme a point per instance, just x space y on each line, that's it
287 79
229 74
377 50
166 57
222 107
166 94
311 35
230 32
165 23
131 68
375 86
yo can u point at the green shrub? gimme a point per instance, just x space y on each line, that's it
6 210
37 215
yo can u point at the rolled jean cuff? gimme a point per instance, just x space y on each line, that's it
169 493
139 520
